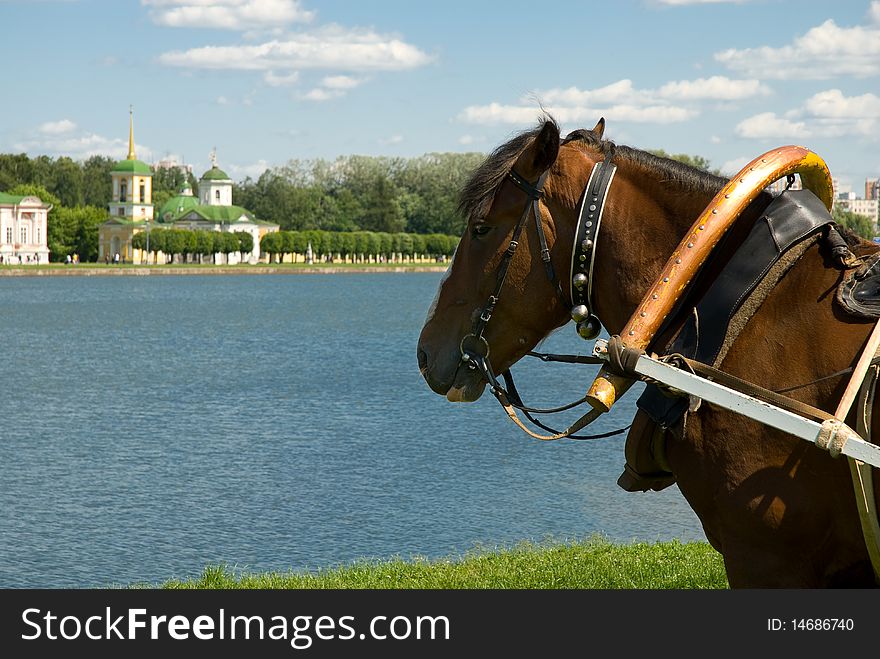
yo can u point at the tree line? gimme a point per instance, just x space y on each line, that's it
351 193
180 243
357 245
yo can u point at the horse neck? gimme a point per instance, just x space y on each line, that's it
646 215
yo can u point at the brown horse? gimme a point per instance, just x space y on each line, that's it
780 511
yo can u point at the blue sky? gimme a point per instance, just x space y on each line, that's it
265 81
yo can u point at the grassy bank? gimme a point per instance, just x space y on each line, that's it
592 564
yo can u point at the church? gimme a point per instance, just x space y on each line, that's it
131 211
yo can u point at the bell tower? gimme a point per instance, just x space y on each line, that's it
132 194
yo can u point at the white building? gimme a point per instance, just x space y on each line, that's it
866 207
23 230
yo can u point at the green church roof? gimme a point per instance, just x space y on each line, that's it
132 167
215 174
177 206
219 213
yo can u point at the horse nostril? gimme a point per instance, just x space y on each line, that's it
423 360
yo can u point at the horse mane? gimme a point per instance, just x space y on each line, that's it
479 191
666 169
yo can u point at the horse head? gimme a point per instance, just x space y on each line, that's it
497 279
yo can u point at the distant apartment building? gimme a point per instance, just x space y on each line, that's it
170 162
866 207
872 188
23 230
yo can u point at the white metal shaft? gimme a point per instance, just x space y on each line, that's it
748 406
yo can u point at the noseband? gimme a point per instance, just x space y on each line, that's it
475 348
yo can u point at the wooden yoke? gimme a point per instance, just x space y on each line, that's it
695 248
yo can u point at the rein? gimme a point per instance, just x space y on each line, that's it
475 348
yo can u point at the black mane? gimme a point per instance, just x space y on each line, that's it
479 192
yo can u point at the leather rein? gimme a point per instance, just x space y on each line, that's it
475 348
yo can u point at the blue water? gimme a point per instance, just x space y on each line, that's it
154 425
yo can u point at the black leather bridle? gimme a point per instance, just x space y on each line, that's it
471 349
475 348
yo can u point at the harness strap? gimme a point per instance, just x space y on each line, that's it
583 251
862 476
515 401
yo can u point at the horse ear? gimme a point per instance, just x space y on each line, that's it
545 148
599 129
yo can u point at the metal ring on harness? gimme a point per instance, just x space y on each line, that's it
469 355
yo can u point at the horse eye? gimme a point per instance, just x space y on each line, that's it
481 230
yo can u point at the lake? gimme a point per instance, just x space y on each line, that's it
155 425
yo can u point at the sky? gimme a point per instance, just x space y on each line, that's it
267 81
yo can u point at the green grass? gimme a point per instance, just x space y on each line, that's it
592 564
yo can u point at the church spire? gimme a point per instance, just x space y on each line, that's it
131 154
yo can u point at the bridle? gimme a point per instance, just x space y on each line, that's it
474 347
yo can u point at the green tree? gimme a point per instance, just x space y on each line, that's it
858 224
15 169
347 245
245 243
89 220
158 240
175 242
272 244
204 244
67 181
97 186
699 162
419 247
230 244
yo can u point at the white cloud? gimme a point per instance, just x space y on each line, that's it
833 104
619 101
57 127
237 15
826 114
470 139
332 87
734 166
240 172
275 80
341 82
825 51
718 88
394 139
768 125
322 94
79 146
621 91
874 12
715 139
680 3
331 47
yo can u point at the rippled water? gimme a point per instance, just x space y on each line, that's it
153 425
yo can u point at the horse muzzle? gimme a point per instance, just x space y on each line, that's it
451 376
